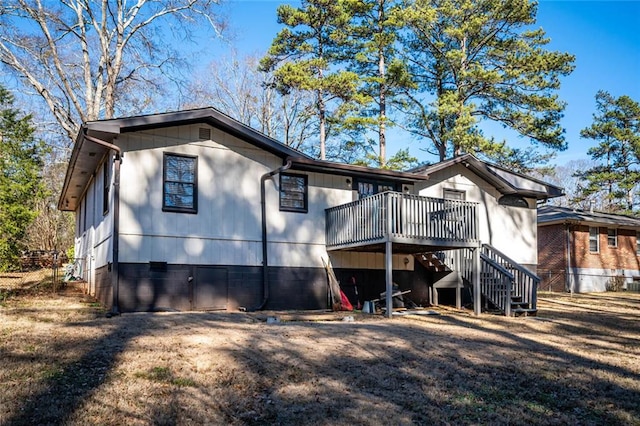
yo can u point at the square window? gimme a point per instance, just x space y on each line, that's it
293 193
180 183
594 245
612 237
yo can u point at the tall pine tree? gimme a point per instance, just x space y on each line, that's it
474 60
616 126
303 57
374 55
20 181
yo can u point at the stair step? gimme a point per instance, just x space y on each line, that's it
518 312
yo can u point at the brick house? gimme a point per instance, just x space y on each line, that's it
585 251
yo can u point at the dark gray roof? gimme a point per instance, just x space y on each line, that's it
550 215
505 181
87 155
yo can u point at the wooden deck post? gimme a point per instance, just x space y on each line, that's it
477 270
388 257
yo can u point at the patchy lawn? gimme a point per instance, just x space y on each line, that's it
63 362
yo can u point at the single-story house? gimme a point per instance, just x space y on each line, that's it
193 210
586 251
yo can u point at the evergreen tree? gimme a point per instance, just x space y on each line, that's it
616 126
303 57
20 181
474 60
374 56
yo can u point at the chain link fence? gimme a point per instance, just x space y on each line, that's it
41 271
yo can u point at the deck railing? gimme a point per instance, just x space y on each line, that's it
525 282
396 215
502 280
496 284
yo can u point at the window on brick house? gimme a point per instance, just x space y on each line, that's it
612 237
594 246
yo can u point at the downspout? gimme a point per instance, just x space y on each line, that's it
115 273
568 280
263 208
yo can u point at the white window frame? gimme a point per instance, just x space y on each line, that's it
594 238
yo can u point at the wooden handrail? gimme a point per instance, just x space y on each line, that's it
396 215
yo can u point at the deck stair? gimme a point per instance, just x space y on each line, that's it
507 285
504 284
432 262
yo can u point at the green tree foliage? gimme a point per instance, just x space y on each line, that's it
373 54
616 126
303 57
474 60
20 182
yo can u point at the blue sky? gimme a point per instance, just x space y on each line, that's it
603 35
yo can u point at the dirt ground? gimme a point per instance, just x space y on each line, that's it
64 362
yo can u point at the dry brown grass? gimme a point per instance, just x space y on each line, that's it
63 362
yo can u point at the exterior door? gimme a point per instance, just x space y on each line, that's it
367 188
211 288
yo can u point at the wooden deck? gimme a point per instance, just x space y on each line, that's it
391 222
412 223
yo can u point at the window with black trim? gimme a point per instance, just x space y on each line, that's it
293 193
367 188
105 187
180 183
513 200
612 237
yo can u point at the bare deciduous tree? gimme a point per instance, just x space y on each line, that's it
83 57
565 177
236 87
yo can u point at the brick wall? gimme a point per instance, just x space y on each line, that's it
552 257
621 257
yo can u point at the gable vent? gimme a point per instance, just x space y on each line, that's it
204 133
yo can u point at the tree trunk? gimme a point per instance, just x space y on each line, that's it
383 93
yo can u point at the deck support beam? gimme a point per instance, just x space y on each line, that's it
477 270
388 258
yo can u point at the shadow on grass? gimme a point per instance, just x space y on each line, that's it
66 386
424 377
449 369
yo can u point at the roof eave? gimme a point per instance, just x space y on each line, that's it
312 165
